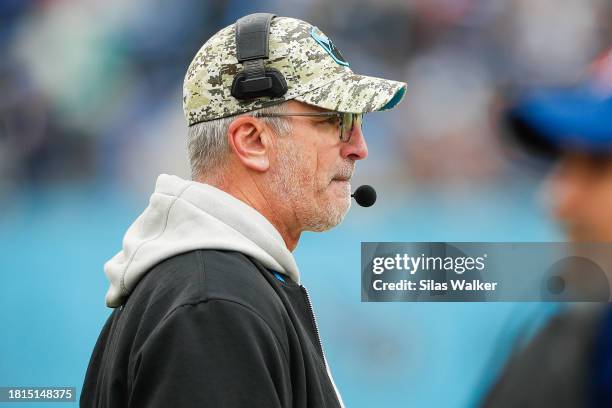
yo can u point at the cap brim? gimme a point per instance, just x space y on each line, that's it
569 119
356 94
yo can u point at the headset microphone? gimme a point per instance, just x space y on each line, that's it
365 196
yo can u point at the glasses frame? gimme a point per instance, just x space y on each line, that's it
343 118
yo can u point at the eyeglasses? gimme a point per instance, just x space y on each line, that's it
346 120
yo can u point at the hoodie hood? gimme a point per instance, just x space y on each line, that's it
187 215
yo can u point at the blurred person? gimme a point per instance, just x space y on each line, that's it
569 362
208 305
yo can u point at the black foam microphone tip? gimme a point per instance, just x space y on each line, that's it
365 196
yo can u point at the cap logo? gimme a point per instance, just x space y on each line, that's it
328 46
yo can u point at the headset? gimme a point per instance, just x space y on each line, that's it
255 80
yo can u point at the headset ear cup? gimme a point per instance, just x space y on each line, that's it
278 88
279 85
237 86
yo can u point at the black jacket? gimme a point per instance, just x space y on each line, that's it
210 328
555 368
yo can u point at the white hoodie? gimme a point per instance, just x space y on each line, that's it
186 215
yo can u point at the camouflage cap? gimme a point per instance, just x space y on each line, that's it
315 72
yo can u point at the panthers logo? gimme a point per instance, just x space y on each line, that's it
328 46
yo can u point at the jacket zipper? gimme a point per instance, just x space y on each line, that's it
327 370
314 323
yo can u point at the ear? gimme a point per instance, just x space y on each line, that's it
250 141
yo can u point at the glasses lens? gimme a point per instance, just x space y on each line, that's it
348 121
358 120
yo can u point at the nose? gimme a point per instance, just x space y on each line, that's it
356 148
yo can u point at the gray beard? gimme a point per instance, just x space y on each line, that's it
288 183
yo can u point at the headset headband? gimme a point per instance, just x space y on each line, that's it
252 48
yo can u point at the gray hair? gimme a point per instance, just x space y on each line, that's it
207 143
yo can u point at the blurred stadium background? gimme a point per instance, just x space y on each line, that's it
90 113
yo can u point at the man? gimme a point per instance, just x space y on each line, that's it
569 362
209 310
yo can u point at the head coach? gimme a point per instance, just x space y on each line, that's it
208 306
